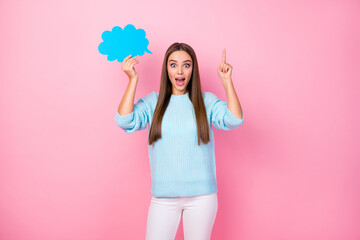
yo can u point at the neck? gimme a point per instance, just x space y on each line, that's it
179 93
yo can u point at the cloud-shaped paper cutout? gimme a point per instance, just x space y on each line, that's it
119 43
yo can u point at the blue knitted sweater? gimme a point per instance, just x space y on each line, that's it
179 166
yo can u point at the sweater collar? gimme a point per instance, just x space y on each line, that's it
180 97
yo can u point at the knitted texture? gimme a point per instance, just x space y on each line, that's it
179 166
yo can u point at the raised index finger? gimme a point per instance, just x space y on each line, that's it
224 55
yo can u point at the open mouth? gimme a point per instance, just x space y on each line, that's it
180 81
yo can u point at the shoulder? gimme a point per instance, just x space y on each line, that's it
150 99
208 95
209 98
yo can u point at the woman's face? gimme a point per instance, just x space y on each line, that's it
179 65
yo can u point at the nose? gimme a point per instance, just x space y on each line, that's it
179 71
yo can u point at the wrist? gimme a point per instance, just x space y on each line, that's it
133 79
227 83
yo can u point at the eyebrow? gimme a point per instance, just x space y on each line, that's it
176 61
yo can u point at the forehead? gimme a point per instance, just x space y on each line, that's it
179 56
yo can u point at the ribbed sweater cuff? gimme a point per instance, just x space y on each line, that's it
232 120
124 120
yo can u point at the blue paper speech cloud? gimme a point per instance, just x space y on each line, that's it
119 43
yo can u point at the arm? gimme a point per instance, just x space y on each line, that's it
126 105
220 115
233 101
127 102
226 115
224 71
131 117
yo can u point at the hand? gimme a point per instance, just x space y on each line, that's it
128 67
224 70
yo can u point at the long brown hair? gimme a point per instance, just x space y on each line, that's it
195 95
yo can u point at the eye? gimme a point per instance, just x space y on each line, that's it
188 65
172 64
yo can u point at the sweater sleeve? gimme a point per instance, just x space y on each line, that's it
220 116
138 118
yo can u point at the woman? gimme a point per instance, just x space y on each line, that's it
181 143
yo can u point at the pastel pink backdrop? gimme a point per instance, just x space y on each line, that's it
291 171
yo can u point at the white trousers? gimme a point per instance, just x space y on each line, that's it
198 212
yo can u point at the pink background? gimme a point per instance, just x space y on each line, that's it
291 171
